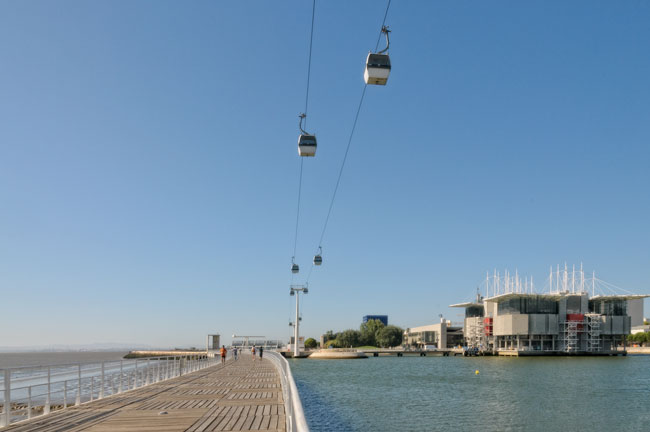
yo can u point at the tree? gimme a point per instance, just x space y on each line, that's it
640 338
310 343
390 336
328 336
331 343
349 338
369 332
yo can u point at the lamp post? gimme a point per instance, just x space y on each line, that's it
296 290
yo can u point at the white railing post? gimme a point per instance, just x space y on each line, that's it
46 409
135 380
119 385
92 386
29 402
101 388
65 394
147 379
6 409
78 401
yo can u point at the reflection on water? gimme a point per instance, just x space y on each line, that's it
509 394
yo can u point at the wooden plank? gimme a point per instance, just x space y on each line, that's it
240 396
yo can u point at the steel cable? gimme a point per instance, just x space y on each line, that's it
347 149
311 43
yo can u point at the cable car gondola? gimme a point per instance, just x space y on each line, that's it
318 259
294 268
378 64
306 141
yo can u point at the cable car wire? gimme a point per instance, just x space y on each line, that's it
303 117
311 43
383 25
347 148
295 239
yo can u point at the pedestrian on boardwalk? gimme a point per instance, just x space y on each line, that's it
224 352
234 353
261 351
253 352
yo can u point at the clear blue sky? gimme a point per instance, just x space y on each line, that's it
148 164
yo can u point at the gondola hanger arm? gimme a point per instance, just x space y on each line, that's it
385 30
302 117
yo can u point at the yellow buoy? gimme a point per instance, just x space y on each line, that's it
476 372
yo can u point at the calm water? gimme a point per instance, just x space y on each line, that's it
9 360
444 393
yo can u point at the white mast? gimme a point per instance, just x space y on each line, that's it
593 283
573 280
526 284
517 287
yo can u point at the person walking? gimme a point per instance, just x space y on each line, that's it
224 352
261 352
253 352
234 353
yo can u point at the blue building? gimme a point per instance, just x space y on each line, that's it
382 318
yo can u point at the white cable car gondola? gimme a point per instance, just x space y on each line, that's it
378 64
306 141
318 259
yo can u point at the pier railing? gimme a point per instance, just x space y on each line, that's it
294 414
33 391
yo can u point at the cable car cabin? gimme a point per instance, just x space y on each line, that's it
307 145
295 268
377 69
318 260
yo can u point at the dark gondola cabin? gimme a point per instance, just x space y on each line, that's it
307 145
377 69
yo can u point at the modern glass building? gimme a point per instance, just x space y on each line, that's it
569 319
544 324
382 318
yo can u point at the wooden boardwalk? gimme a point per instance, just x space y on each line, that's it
241 396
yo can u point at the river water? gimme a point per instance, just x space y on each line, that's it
444 393
25 359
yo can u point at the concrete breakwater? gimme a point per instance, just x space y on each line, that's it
332 354
638 350
162 353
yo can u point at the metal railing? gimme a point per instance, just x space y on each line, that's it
294 414
34 391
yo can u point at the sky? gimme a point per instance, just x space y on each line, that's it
149 170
